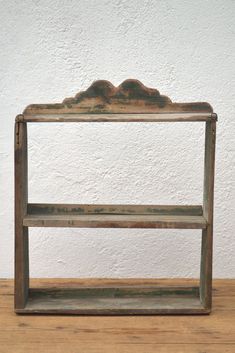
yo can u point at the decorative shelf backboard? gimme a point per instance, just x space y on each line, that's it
131 96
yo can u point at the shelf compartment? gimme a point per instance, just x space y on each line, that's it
122 300
114 216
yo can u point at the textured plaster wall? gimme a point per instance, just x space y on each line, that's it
52 49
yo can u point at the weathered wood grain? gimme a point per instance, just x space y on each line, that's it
21 232
129 97
115 221
208 200
140 300
63 118
74 209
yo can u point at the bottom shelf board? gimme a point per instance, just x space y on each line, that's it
128 300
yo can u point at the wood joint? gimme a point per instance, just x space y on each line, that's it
19 118
214 117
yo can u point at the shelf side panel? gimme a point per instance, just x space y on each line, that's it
208 205
21 232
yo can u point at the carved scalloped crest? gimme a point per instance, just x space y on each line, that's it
131 96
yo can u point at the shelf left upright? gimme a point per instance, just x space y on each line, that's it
21 201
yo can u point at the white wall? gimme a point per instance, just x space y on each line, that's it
53 49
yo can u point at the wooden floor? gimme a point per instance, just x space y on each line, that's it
73 334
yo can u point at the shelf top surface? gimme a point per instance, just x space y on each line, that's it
130 101
86 117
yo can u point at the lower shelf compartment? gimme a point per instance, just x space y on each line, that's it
123 300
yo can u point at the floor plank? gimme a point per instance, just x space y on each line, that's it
71 334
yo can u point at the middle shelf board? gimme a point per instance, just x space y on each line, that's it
114 216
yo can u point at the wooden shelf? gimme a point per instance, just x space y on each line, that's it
131 101
114 216
124 300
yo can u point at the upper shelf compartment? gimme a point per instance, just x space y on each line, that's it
131 101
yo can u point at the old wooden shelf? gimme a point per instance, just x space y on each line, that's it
102 102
